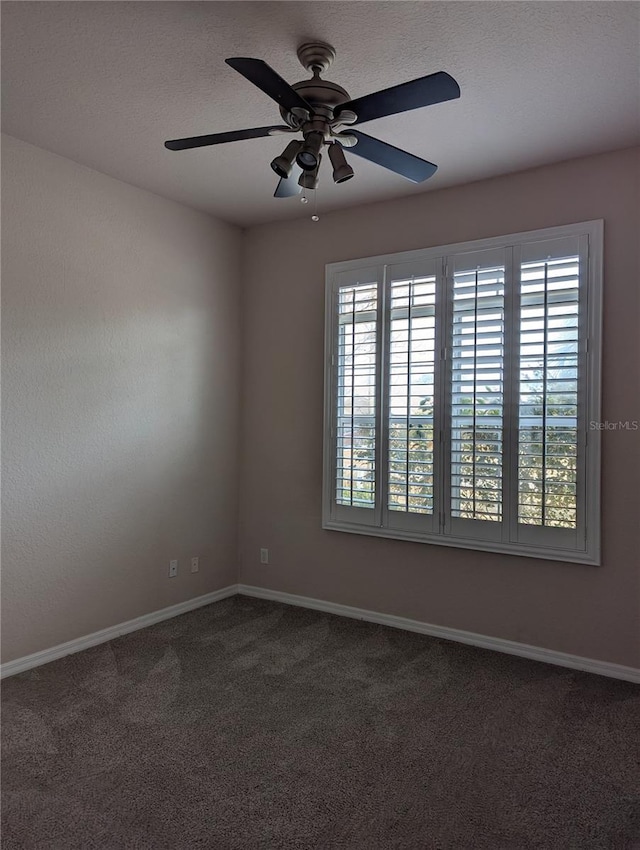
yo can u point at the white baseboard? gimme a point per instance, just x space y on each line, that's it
77 645
510 647
536 653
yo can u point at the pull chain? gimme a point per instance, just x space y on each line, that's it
305 200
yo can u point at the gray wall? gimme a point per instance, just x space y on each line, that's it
121 353
589 611
120 371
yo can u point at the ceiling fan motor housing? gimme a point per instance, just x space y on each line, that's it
322 95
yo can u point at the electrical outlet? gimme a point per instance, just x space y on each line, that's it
173 569
195 564
264 556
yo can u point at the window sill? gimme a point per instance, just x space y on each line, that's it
547 553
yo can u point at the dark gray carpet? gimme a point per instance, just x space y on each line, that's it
250 724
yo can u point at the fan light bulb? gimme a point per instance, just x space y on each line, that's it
315 218
307 160
309 154
283 164
309 179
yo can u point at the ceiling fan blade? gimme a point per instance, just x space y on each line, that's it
395 159
271 83
289 186
220 138
436 88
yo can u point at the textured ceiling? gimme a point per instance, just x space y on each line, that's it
105 83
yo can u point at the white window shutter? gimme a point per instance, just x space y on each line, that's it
550 501
461 385
411 426
355 346
475 412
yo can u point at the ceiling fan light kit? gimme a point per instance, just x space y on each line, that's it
324 113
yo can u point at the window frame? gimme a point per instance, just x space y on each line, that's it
336 518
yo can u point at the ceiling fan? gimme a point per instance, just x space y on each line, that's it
325 115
